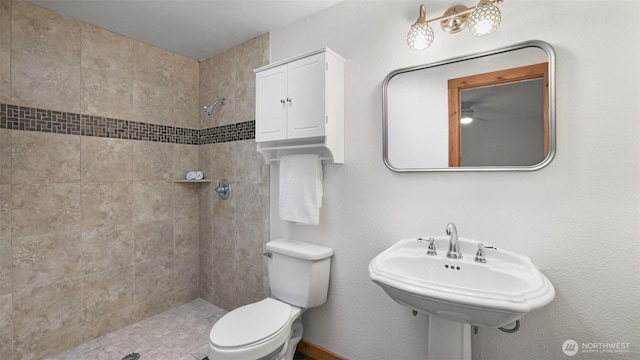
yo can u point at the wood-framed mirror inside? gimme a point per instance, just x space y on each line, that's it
500 118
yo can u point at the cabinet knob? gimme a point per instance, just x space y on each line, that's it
282 101
288 100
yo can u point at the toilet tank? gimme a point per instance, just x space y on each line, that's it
299 272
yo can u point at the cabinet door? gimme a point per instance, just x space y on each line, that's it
271 105
305 100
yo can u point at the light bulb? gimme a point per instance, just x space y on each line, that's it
484 20
466 120
420 35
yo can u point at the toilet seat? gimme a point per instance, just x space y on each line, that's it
254 330
250 323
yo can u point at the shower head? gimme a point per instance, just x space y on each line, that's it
208 110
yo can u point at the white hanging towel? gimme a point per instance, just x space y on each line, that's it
301 188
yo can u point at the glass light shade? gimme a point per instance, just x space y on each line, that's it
484 20
466 120
420 36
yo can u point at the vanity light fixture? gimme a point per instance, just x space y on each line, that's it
482 19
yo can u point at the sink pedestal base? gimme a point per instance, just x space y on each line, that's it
448 340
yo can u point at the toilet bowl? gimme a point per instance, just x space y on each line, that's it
263 330
270 329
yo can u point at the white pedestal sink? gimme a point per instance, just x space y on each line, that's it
459 293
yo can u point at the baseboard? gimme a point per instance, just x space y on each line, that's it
316 352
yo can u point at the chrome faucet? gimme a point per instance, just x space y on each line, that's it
454 248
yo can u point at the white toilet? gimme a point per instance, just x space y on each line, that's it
271 328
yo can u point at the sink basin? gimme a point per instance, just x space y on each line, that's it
492 294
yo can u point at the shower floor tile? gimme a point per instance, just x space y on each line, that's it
181 333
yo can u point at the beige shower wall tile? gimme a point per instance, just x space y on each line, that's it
42 310
106 52
153 278
160 67
205 74
44 33
185 159
107 247
106 95
5 239
153 306
43 158
251 276
40 259
205 277
186 234
153 240
44 82
105 159
186 111
245 95
152 160
5 24
205 157
223 160
107 292
205 218
186 295
106 204
5 279
5 219
5 156
152 200
38 347
6 332
5 311
253 167
224 67
153 103
252 202
224 281
5 51
5 75
186 201
186 280
105 324
250 55
44 208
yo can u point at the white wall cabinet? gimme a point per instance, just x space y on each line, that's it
301 98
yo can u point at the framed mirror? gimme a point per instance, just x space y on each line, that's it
493 111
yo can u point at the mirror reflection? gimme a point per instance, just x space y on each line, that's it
485 112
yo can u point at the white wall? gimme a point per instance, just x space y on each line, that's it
578 218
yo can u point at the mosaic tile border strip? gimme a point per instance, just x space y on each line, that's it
15 117
232 132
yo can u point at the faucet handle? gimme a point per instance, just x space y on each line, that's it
480 256
431 250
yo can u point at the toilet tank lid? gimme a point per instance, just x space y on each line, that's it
298 249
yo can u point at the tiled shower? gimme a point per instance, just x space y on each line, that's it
94 232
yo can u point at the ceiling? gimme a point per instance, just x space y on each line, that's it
193 28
